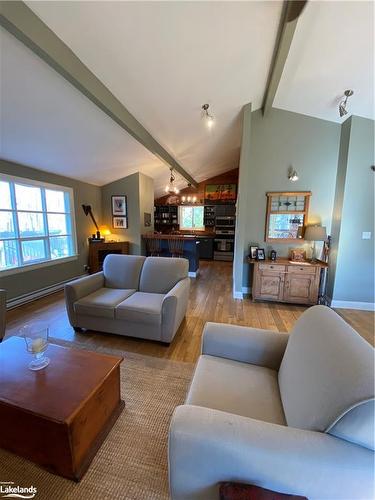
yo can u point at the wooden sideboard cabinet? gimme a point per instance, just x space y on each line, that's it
281 281
98 250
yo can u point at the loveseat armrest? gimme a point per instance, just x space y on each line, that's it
245 344
209 446
80 288
174 309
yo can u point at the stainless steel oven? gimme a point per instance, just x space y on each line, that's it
224 245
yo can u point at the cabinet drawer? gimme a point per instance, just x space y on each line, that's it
271 267
302 269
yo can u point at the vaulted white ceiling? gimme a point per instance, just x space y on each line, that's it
163 60
332 50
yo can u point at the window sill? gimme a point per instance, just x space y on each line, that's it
31 267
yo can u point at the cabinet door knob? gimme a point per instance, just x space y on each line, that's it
271 267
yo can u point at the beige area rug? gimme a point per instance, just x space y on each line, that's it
132 462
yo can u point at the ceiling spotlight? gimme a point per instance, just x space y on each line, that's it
207 116
343 103
171 188
292 175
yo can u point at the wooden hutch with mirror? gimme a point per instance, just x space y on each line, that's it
284 280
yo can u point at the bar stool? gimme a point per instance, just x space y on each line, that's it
176 246
153 246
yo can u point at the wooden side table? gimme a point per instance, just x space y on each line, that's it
98 250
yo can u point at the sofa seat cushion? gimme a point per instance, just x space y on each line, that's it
102 303
141 308
239 388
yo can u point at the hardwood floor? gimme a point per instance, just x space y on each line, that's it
210 300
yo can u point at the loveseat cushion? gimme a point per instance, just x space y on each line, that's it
236 387
102 303
141 308
327 369
122 271
160 274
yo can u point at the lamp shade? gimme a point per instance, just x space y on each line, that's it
315 233
105 231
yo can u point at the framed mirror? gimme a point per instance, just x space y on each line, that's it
287 214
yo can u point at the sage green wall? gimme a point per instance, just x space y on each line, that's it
30 281
244 180
278 141
139 190
338 203
146 205
354 276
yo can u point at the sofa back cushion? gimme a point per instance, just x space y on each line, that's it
122 271
327 369
160 274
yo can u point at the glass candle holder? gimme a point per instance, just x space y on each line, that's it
36 338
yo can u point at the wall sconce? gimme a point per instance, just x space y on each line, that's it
292 175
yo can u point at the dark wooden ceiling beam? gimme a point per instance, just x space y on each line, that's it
19 20
292 9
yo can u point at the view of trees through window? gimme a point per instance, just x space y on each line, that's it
35 223
191 217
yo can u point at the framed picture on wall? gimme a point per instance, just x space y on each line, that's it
119 205
120 222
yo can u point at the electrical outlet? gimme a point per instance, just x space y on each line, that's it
86 267
366 235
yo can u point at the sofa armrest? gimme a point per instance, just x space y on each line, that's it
174 309
78 289
3 297
209 446
241 343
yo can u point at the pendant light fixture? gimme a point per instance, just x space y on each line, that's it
171 188
207 116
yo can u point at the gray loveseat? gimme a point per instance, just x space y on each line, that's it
291 413
144 297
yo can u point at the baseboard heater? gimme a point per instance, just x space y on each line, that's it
38 294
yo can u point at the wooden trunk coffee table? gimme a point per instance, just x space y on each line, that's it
59 416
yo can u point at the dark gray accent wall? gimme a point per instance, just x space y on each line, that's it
36 279
352 265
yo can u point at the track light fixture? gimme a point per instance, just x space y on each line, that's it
292 174
171 188
343 103
207 116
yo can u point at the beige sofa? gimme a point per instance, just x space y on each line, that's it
291 413
2 313
143 297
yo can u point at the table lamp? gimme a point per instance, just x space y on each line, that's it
105 231
315 233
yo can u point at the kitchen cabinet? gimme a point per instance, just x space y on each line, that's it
206 247
282 281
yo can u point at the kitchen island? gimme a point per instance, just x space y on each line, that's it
190 250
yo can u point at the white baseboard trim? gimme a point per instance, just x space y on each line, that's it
346 304
193 274
37 294
246 290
